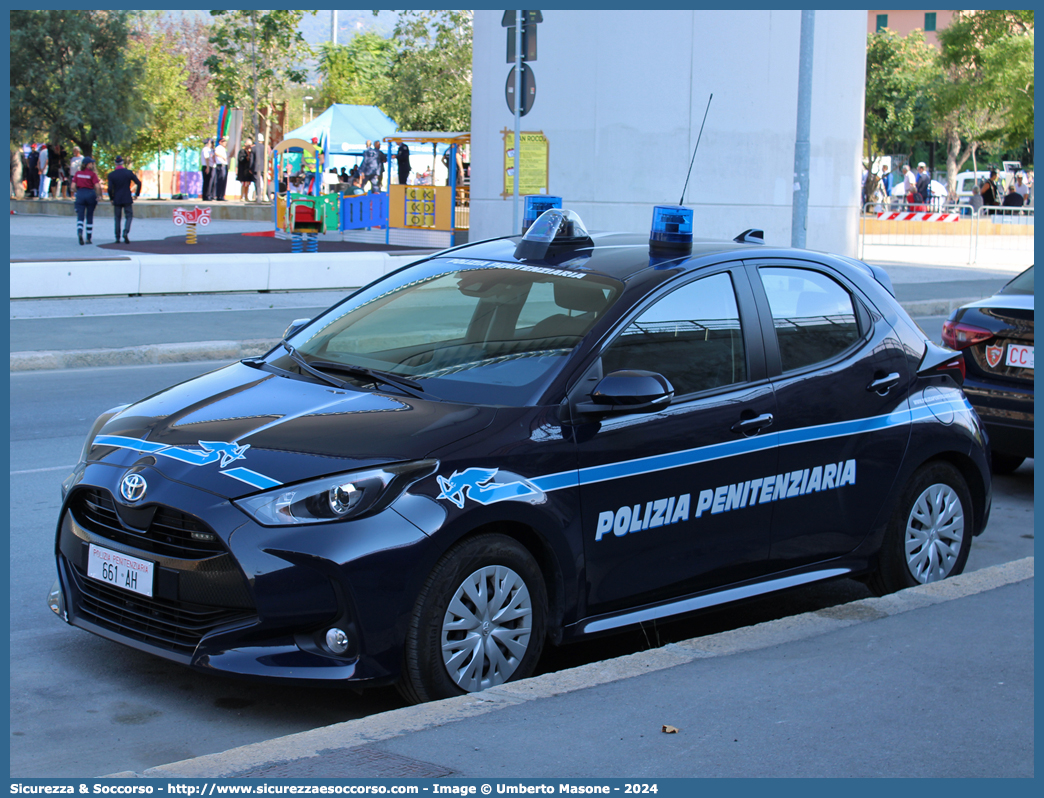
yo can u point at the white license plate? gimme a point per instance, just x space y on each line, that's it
1019 356
120 570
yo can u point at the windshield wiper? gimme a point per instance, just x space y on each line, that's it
370 375
300 361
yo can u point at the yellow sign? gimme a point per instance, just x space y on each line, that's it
420 206
533 163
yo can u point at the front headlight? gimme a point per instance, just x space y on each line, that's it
335 498
99 422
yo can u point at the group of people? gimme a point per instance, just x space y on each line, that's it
87 184
250 169
47 170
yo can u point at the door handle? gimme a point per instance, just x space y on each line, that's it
883 385
751 426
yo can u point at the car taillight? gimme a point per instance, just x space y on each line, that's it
960 336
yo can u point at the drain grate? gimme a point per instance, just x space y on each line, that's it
362 762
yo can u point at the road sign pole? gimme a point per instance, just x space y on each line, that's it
518 114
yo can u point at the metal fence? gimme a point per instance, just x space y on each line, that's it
954 233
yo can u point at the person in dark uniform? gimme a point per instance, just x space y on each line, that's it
119 181
402 157
87 184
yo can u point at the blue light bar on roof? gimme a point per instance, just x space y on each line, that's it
536 204
671 228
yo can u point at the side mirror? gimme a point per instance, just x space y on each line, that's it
295 326
629 391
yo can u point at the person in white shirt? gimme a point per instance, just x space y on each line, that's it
909 183
206 166
221 169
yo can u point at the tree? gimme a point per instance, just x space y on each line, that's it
429 84
72 78
178 104
256 54
986 95
353 72
900 72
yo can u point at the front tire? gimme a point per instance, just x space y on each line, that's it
929 535
479 621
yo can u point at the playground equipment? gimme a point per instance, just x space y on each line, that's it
189 219
430 207
308 216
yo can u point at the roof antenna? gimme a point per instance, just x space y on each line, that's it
682 200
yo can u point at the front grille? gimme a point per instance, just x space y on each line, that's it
171 625
170 533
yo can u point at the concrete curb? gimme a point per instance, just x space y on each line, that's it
400 722
152 354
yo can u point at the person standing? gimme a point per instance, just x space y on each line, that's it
989 190
886 184
259 169
54 171
206 166
923 184
402 158
243 172
87 184
909 185
1021 188
221 169
370 167
32 172
43 182
119 182
74 164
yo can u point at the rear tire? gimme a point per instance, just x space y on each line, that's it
929 535
1001 463
479 621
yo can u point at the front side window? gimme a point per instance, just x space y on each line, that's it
929 20
692 336
499 327
882 22
813 315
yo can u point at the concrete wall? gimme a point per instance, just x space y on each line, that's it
621 94
175 274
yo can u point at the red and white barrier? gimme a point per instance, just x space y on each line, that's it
906 216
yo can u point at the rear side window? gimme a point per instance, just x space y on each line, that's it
1023 284
813 315
691 336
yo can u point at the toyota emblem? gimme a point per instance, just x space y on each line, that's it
133 487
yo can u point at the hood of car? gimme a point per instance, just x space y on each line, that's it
239 430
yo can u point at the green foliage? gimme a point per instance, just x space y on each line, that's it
351 72
257 53
429 84
175 118
73 79
987 94
900 75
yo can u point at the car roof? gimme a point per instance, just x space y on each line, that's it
617 255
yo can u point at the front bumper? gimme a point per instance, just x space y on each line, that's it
234 597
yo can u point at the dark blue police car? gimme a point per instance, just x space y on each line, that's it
524 441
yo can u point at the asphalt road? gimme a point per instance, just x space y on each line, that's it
81 705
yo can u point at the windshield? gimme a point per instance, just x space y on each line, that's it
1023 284
452 324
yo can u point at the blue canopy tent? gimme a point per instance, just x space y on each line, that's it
344 129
